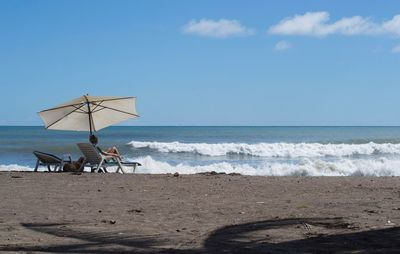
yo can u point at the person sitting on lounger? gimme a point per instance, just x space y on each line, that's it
112 151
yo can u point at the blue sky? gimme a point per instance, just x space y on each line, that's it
205 62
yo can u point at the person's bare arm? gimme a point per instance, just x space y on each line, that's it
107 153
111 154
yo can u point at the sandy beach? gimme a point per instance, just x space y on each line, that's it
208 213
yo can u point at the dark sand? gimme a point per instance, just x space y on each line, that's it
108 213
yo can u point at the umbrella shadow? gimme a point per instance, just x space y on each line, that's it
89 241
253 237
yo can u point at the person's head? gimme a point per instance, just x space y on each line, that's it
93 139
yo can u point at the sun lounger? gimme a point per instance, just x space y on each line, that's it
96 160
49 160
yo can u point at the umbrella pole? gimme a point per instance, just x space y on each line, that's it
90 122
90 115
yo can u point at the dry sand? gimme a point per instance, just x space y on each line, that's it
113 213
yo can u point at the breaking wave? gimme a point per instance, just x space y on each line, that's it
286 150
306 167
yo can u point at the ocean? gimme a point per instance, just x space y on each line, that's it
275 151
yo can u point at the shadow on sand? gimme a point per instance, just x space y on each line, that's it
300 235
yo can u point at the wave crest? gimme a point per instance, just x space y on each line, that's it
306 167
286 150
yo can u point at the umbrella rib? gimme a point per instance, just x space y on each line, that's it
96 106
113 99
121 111
66 106
97 110
80 109
72 105
104 107
63 117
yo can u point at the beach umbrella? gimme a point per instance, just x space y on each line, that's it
89 113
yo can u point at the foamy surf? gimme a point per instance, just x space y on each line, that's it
306 167
15 167
20 168
285 150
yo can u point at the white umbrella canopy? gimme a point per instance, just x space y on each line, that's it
89 113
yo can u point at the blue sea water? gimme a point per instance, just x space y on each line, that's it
246 150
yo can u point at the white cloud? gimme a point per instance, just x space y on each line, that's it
396 49
222 28
393 25
282 45
317 24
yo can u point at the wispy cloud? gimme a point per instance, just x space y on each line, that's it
317 24
396 49
222 28
282 45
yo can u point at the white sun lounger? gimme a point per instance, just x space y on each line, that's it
97 160
49 160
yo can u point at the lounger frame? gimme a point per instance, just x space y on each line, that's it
95 160
49 160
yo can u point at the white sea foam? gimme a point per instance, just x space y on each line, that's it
15 167
306 167
288 150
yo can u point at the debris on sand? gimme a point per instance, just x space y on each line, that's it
389 223
234 174
109 221
213 173
370 211
135 211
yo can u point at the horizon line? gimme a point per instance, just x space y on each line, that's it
117 126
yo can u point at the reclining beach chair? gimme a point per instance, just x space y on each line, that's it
96 160
49 160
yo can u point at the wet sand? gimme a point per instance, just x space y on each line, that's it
113 213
